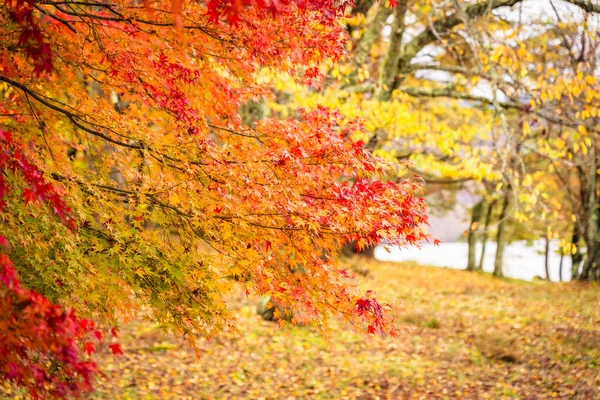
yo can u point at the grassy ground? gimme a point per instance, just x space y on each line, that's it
471 337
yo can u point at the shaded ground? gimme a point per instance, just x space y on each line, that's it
472 337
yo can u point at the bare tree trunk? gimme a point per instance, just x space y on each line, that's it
560 265
472 235
576 257
591 265
484 237
547 256
501 236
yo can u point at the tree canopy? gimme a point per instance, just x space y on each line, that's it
131 185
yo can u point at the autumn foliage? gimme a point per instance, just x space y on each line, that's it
131 184
38 347
41 344
39 341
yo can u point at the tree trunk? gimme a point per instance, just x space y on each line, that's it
368 39
547 257
349 250
576 257
501 236
591 265
472 235
560 265
389 66
484 237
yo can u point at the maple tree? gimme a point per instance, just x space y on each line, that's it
132 186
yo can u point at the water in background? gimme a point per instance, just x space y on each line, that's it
520 260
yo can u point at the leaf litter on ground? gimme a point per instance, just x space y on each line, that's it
465 335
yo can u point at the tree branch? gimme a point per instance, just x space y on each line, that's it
450 93
454 69
74 118
438 181
441 26
585 5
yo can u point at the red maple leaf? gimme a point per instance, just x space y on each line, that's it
116 349
97 334
28 196
89 348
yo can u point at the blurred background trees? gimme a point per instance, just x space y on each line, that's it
493 101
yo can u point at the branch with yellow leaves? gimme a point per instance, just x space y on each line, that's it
452 93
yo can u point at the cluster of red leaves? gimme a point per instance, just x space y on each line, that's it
374 313
31 37
168 94
406 210
39 341
37 189
232 9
